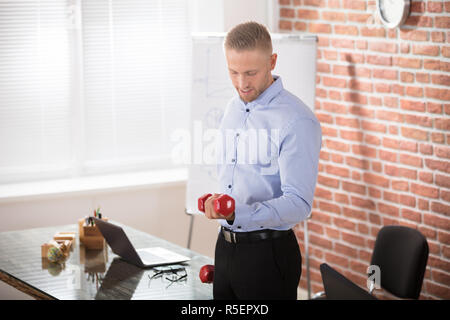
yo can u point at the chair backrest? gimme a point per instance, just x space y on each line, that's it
401 253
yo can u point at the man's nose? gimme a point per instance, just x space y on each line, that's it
242 82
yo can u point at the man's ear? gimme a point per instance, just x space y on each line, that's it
273 61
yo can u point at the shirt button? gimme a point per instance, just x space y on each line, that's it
233 160
237 134
229 186
239 227
247 110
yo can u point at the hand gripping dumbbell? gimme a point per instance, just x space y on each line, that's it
223 204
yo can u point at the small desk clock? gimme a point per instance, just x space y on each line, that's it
393 13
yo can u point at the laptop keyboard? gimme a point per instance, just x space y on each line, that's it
149 258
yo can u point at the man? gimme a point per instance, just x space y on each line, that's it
257 255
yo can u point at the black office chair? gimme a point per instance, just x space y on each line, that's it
401 254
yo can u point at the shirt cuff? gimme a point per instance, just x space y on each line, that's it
242 215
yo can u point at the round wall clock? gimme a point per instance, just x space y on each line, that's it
393 13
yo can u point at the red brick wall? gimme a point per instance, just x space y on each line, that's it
383 100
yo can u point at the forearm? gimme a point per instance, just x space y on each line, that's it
288 209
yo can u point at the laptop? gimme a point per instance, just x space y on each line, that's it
121 245
338 287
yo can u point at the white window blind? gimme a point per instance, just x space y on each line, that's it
136 81
34 90
101 96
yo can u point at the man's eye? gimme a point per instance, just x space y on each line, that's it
251 73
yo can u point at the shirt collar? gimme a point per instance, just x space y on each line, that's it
267 95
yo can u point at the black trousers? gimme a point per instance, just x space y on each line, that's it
266 269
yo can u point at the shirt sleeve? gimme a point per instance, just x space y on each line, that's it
298 161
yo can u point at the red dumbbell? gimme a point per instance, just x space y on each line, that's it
206 273
223 204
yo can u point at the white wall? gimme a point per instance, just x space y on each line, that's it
238 11
222 15
207 15
153 210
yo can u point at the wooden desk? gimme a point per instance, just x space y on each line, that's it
94 274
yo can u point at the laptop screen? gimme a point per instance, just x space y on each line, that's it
338 287
118 241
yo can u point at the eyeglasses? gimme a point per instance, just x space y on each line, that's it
172 272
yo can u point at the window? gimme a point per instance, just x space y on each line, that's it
35 90
91 87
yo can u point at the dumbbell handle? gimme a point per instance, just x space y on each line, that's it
223 204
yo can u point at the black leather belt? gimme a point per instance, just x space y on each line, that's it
252 236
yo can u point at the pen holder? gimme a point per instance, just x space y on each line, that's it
90 236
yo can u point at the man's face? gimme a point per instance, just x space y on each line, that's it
250 71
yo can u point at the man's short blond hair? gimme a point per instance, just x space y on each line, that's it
248 36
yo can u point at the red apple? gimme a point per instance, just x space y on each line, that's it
207 273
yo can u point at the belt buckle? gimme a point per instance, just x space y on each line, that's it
230 236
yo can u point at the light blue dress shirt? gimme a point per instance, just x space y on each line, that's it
268 157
